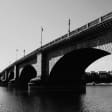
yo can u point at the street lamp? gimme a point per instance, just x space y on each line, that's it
24 52
17 53
69 27
41 36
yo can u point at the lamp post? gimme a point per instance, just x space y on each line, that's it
69 27
24 52
17 53
41 36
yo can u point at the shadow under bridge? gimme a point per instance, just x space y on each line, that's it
27 74
68 72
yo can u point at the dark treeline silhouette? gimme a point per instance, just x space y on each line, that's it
98 77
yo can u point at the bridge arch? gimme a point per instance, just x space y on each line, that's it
26 75
10 75
69 70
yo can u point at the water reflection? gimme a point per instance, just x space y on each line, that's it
97 98
17 101
59 103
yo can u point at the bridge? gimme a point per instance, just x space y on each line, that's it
61 63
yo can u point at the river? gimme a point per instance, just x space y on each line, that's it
96 99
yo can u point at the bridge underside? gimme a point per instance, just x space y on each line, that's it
27 74
67 74
69 71
11 76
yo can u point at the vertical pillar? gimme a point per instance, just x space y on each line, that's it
35 82
44 75
39 64
14 71
38 67
6 77
3 76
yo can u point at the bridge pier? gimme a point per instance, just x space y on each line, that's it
4 79
39 82
14 80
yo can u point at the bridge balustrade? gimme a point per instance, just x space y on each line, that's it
93 23
106 17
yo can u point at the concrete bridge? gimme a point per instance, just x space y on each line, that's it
62 62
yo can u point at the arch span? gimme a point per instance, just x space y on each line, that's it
27 74
70 69
10 75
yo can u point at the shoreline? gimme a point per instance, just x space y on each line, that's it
99 84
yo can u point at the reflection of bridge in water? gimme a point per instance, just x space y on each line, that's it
61 63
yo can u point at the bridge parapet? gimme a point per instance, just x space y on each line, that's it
100 20
106 17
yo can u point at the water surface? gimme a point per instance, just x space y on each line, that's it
96 99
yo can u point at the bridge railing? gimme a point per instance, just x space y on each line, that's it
106 17
82 28
94 22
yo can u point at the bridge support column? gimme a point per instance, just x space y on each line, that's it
13 82
5 76
36 82
15 72
4 79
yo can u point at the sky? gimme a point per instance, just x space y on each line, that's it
102 64
21 22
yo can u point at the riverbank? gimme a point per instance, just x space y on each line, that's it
99 84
